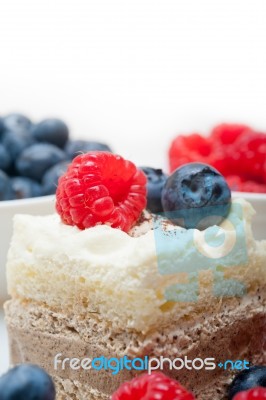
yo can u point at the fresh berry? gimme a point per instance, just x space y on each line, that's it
155 182
52 131
251 159
26 382
34 161
23 188
101 188
16 142
228 133
5 186
185 149
248 379
238 185
51 177
2 128
258 393
196 196
231 148
5 159
16 123
76 147
150 387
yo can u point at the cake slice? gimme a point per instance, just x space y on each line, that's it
156 291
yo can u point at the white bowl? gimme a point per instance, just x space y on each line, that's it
35 206
45 205
258 201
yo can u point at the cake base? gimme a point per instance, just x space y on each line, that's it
67 389
38 333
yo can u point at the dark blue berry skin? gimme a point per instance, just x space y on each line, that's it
155 183
5 159
76 147
50 179
196 195
52 131
16 142
16 122
34 161
26 382
23 188
2 128
5 186
247 379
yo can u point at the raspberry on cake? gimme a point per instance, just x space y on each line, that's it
100 291
101 188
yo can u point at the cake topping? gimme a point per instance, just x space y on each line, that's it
152 386
101 188
247 379
196 196
230 148
156 180
27 381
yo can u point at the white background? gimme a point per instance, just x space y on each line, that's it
134 73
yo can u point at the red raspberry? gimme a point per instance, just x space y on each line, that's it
258 393
185 149
150 387
231 149
101 188
251 156
238 185
228 133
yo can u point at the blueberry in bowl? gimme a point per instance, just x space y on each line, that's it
75 147
51 130
196 195
5 186
24 188
35 160
51 177
15 122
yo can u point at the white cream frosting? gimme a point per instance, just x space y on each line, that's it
124 278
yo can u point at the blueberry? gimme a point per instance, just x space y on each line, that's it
247 379
196 195
34 161
76 147
2 128
52 131
16 142
16 123
155 183
5 159
23 188
26 382
5 186
51 176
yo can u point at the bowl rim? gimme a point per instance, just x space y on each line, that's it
250 195
6 204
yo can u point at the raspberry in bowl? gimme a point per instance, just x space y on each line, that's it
236 151
104 278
